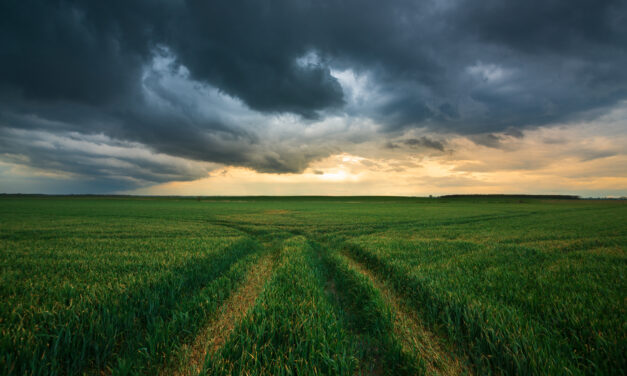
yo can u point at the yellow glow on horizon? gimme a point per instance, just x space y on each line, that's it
544 161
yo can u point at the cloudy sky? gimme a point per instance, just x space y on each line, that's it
313 97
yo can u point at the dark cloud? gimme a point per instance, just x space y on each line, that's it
513 132
155 72
95 158
575 27
424 142
390 145
421 142
84 52
490 140
590 155
250 50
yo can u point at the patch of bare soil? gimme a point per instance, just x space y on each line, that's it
278 211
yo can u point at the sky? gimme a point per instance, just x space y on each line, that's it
304 97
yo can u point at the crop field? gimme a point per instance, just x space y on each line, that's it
312 286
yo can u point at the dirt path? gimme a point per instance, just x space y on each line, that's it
229 314
439 357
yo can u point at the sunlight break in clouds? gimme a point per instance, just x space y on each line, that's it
546 160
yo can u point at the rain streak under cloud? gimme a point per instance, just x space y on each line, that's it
313 97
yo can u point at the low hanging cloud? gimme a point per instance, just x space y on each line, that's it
275 86
424 142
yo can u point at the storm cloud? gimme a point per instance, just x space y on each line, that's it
276 85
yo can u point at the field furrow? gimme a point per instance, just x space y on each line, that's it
163 335
229 314
292 329
102 331
439 357
370 318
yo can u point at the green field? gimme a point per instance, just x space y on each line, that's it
312 286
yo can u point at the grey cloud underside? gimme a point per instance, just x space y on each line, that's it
448 66
422 142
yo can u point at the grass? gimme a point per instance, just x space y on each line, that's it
436 356
231 312
360 285
371 316
293 328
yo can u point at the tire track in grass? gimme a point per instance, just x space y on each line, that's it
369 318
155 318
367 366
292 329
229 314
439 357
